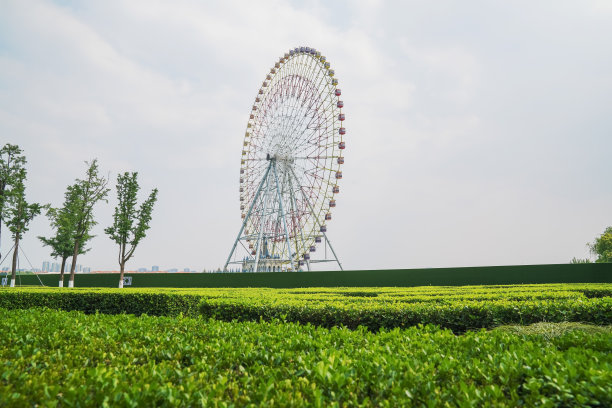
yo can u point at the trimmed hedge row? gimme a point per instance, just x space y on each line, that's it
459 316
456 308
106 301
57 358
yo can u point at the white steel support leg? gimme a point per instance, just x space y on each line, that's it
229 258
263 214
324 234
280 202
294 204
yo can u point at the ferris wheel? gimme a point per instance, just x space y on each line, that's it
290 166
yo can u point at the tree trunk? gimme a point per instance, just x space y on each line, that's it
15 253
0 232
61 281
2 186
121 275
73 266
122 266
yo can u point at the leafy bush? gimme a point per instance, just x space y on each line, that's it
57 358
152 302
456 308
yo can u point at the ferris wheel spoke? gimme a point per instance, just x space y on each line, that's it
293 129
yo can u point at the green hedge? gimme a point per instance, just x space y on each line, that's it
56 358
458 316
456 308
103 301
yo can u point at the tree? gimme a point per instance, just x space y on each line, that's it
602 247
18 215
580 261
88 192
130 224
12 164
63 222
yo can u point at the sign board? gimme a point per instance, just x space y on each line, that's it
127 281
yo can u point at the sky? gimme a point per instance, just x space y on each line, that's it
478 132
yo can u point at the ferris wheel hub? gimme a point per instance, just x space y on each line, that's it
297 125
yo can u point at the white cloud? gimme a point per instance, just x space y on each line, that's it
463 132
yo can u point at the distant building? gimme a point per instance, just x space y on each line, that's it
55 267
87 269
142 269
173 270
46 266
186 270
267 262
155 268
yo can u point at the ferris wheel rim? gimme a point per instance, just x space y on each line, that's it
277 133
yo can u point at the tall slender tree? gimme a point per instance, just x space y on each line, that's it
63 222
12 163
130 224
19 213
88 192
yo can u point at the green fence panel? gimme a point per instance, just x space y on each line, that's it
482 275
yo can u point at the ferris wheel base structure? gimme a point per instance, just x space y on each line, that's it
290 167
263 259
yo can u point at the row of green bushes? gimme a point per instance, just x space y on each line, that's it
459 309
58 358
108 301
458 316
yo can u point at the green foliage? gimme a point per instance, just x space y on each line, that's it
12 169
109 301
12 173
602 247
457 308
552 330
580 261
130 224
54 358
64 223
19 213
87 192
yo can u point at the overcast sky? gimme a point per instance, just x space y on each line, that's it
478 132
